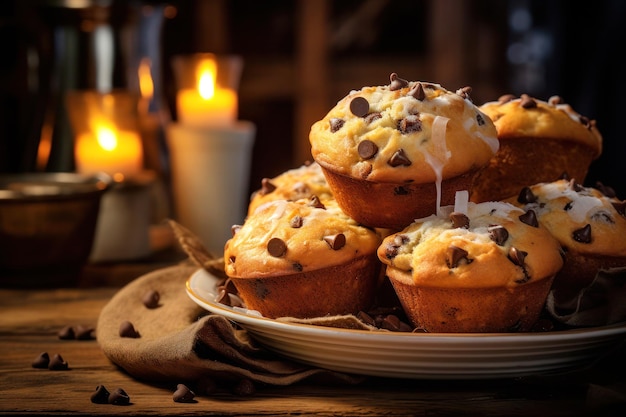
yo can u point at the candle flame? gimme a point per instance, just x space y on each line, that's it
146 85
206 79
107 139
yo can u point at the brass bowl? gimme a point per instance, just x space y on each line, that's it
47 226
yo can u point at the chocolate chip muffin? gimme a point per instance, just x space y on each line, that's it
396 152
303 259
295 184
589 225
539 142
487 268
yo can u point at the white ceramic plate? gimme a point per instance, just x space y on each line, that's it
416 355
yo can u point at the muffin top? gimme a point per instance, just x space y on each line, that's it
583 219
404 132
529 117
493 244
284 237
294 184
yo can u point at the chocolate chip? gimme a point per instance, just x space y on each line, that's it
336 242
128 330
465 92
602 216
480 120
367 149
498 234
372 116
554 100
620 206
314 201
266 186
527 102
41 361
459 220
57 363
517 256
418 92
454 255
276 247
410 123
296 222
183 394
66 333
151 299
526 196
100 395
506 98
244 388
582 235
335 124
396 82
529 218
576 186
393 323
400 190
399 158
359 106
297 266
119 397
84 332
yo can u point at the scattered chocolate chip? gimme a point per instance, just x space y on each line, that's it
335 124
276 247
41 361
336 242
529 218
602 216
244 388
101 395
459 220
119 397
366 318
527 102
418 92
498 234
480 120
234 229
359 106
151 299
396 82
399 158
526 196
506 98
517 256
266 186
372 116
183 394
297 266
465 92
582 235
554 100
367 149
296 222
400 190
620 206
576 186
568 206
66 333
393 323
84 332
454 255
57 363
314 201
410 123
128 330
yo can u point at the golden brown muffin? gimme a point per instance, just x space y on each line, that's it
589 225
539 142
486 269
303 259
294 184
397 152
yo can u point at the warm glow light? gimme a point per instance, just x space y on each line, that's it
146 85
206 79
107 138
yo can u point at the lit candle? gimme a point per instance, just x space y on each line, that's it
208 104
105 149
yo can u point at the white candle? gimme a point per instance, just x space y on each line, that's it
208 104
108 150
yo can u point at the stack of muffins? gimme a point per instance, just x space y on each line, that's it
414 185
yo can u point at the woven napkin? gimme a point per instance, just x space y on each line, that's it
177 341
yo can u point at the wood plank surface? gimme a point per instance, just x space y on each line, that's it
31 319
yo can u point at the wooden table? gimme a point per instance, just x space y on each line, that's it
30 320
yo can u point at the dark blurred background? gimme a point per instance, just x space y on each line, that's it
301 56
